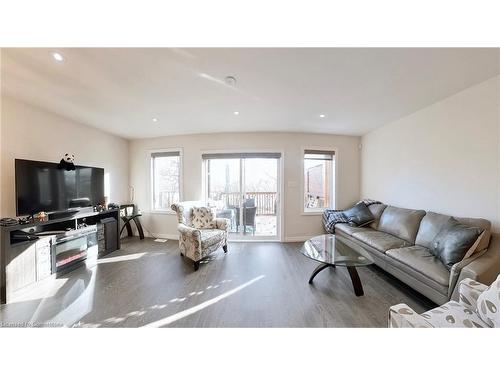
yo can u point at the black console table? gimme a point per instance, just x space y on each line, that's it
28 252
128 214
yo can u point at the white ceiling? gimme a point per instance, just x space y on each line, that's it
359 89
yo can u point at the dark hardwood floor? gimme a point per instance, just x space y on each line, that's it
147 283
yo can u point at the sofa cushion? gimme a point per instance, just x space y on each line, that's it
380 240
453 315
376 210
488 304
360 215
454 241
184 211
479 223
432 223
401 222
349 229
202 218
430 226
422 261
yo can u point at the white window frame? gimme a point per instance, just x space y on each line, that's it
168 211
333 184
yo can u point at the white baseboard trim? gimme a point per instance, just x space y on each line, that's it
298 239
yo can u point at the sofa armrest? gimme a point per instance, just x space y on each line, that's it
483 267
402 316
222 223
469 291
188 231
455 273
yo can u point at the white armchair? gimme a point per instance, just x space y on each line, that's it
478 307
199 238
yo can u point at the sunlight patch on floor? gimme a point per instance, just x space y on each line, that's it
46 289
120 258
172 318
80 302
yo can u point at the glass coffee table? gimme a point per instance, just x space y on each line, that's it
332 251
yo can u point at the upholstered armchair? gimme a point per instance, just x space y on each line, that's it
200 233
478 306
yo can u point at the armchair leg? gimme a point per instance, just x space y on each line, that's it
196 265
224 248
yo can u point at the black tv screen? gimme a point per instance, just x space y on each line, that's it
43 186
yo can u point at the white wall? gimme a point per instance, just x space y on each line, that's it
444 158
32 133
295 225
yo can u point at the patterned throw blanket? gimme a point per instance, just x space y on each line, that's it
334 217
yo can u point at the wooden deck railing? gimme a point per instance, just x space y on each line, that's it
265 201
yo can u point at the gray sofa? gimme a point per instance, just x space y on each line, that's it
398 241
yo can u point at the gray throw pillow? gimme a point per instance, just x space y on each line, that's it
359 215
453 241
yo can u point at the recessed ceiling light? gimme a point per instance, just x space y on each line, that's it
57 56
236 113
155 119
322 116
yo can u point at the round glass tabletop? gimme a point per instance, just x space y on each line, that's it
336 250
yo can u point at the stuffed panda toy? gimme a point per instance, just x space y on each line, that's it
67 162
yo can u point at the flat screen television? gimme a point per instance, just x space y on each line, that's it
43 186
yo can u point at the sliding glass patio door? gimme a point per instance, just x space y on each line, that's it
244 188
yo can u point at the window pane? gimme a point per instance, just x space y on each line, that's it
224 182
166 186
318 191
